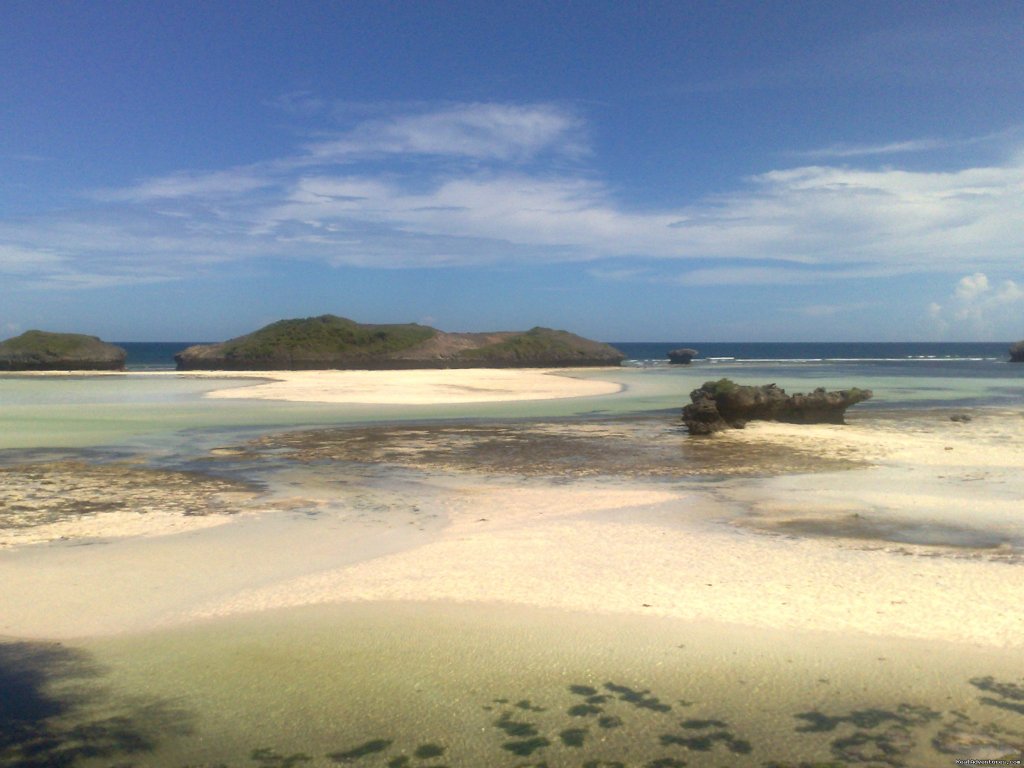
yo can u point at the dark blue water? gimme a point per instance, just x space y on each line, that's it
959 355
153 355
832 352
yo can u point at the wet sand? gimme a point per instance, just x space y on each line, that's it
401 684
52 501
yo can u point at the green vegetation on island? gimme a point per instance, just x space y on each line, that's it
330 342
544 346
314 342
45 351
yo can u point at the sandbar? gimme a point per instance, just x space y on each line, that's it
403 387
418 387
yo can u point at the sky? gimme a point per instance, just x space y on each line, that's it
629 171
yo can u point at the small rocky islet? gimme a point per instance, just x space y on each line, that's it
329 342
682 356
46 351
724 404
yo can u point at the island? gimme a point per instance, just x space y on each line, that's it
329 342
1017 352
682 356
46 351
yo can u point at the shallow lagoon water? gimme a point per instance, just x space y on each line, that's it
105 410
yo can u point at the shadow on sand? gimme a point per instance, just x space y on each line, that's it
54 711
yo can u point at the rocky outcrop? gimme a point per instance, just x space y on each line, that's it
44 351
682 356
1017 352
723 404
330 342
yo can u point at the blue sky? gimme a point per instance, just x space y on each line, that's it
680 171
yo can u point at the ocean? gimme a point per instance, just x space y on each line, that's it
153 355
647 352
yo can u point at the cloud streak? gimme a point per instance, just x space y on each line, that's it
363 198
842 151
476 131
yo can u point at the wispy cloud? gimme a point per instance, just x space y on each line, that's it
17 260
350 200
890 148
478 131
747 276
218 184
910 146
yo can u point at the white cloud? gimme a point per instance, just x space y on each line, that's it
887 221
1009 293
971 287
350 200
981 308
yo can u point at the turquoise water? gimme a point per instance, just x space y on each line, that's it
80 411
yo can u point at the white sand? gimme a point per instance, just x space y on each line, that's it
926 472
417 387
399 387
656 553
108 525
656 550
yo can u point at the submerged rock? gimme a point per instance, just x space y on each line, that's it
45 351
330 342
723 404
1017 352
682 356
